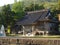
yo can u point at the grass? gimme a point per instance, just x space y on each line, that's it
42 36
37 36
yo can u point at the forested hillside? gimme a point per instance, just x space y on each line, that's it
27 2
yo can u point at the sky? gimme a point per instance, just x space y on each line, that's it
5 2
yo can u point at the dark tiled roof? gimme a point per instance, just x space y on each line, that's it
32 17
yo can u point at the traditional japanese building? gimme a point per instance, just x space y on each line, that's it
40 21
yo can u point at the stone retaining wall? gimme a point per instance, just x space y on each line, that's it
29 41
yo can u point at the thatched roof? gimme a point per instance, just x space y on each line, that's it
33 17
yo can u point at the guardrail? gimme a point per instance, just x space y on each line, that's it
29 41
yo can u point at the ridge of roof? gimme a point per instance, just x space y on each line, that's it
37 11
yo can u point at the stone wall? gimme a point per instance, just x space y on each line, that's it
29 41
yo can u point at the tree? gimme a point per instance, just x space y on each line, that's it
18 9
7 15
34 7
0 19
58 7
59 4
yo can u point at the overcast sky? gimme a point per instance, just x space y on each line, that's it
5 2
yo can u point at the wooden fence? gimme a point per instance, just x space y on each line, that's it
29 41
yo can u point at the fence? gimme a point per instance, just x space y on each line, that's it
29 41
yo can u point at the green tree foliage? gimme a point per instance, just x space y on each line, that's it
58 7
0 18
7 15
34 7
18 9
55 9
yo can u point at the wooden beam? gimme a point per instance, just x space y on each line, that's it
33 28
23 30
